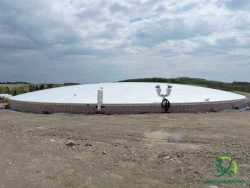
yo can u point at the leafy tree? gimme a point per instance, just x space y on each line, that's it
6 90
14 93
20 90
1 89
41 87
50 85
32 87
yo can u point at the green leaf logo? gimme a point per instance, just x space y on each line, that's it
223 169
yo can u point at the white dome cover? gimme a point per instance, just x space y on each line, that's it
126 93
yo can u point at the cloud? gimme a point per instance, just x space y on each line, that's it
238 5
94 41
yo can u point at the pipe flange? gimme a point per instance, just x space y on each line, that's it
165 104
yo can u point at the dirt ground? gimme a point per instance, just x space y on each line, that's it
149 150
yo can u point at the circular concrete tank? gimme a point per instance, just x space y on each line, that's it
125 98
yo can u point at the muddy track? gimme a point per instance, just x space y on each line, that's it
149 150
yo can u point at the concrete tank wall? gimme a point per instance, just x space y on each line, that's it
48 108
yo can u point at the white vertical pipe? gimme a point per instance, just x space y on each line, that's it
99 100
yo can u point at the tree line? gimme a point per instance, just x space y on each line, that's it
234 86
16 88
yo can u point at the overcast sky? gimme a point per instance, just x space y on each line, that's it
100 41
